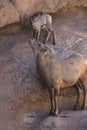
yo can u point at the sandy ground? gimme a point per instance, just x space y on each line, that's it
18 75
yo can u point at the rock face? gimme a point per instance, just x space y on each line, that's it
65 121
11 10
8 13
24 99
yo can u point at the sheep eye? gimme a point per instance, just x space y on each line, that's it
44 49
39 45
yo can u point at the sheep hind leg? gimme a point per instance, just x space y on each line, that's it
77 106
51 30
84 100
84 95
53 38
47 37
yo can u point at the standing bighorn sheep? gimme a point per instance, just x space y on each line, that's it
83 81
57 74
43 21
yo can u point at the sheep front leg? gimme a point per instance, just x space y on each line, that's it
35 34
56 101
53 38
47 37
38 34
79 89
51 90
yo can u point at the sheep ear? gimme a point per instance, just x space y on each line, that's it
31 20
51 52
36 18
32 42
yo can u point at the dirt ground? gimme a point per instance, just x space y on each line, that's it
23 104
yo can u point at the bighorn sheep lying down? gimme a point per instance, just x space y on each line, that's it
57 74
43 21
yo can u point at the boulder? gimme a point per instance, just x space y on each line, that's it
11 10
8 13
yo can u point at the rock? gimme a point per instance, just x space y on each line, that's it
65 121
8 13
11 10
22 95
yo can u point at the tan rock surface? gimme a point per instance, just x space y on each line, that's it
8 13
24 102
11 10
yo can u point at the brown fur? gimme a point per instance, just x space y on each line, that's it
58 74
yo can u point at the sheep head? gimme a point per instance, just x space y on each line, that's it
34 21
35 18
37 47
41 48
51 52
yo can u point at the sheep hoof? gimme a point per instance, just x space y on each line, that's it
51 113
76 107
54 114
54 43
83 108
44 42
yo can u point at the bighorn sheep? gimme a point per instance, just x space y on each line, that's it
42 21
83 82
81 85
57 74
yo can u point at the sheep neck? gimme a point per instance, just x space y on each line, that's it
43 58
